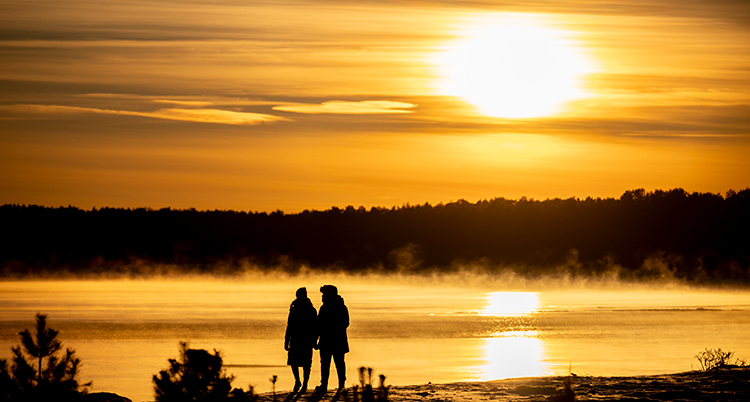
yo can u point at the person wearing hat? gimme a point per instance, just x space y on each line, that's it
300 337
333 319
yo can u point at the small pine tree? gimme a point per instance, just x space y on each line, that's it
43 345
33 381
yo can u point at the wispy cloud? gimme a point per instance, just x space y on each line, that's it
347 107
216 116
188 103
679 134
185 100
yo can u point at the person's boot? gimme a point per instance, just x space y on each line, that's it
342 382
306 374
297 384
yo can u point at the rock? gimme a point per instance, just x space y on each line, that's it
104 397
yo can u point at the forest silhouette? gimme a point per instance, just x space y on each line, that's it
694 237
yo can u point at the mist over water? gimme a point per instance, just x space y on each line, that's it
413 329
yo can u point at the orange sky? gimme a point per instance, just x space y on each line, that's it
299 105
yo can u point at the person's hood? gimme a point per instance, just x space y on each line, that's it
333 299
302 302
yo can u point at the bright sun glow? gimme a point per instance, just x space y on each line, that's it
513 66
503 304
513 356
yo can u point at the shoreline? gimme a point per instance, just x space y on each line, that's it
729 384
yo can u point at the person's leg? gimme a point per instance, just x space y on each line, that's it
325 369
306 374
297 383
338 359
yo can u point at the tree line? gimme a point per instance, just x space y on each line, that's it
700 237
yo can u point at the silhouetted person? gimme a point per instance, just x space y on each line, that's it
333 319
300 337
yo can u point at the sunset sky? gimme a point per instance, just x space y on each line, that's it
293 105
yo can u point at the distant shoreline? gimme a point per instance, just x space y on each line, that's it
640 237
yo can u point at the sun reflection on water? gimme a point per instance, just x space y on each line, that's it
514 351
504 304
514 354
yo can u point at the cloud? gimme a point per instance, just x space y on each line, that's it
188 103
216 116
679 134
347 107
182 100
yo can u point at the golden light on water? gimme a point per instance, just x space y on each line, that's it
511 353
503 304
513 66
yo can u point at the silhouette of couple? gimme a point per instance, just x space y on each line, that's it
325 330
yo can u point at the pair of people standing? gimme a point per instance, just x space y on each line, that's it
324 330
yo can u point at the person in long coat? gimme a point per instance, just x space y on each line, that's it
300 338
333 320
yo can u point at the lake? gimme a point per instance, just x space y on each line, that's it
414 330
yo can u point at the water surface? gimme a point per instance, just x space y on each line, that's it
414 332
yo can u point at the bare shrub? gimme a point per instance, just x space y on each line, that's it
365 391
198 376
712 359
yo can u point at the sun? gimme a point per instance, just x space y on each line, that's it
513 66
